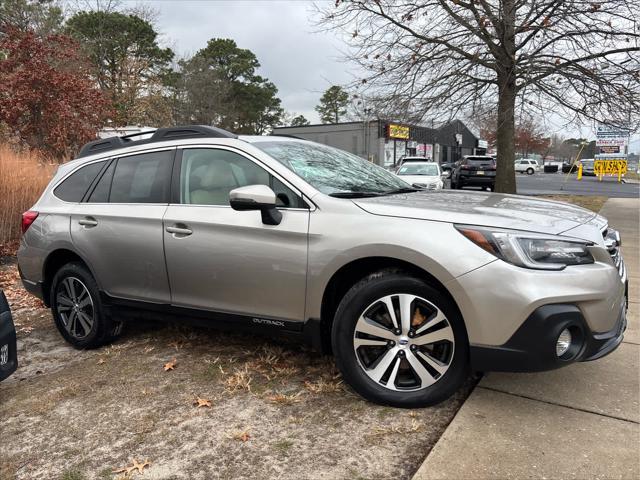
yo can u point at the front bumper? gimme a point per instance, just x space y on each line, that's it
532 347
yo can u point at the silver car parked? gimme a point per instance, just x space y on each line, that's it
409 289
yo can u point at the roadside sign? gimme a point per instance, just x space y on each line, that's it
609 131
607 149
611 167
609 142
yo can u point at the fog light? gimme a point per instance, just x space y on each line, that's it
563 343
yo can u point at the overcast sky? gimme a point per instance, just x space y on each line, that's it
301 61
298 59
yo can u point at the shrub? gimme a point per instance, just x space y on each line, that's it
23 177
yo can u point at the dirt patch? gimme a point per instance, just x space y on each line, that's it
277 409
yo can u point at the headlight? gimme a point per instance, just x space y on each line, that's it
529 250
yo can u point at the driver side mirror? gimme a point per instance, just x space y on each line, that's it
256 197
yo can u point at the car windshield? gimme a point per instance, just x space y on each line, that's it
332 171
430 169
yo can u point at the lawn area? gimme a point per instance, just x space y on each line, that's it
593 203
268 409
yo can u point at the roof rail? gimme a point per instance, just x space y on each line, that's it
159 135
287 136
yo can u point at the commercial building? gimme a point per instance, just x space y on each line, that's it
385 142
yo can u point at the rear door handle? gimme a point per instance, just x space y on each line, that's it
179 231
88 222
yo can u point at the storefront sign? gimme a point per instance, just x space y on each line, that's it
609 131
608 142
397 131
607 149
483 144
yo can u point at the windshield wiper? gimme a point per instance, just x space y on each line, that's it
355 194
401 190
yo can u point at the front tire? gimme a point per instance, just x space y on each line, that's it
77 309
530 171
400 342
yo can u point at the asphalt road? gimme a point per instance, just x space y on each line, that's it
550 183
558 184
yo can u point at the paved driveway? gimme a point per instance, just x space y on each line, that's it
579 422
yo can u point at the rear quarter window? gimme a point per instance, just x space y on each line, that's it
142 178
73 188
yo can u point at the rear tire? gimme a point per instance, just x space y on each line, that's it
77 310
421 362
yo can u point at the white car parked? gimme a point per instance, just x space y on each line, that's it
527 165
425 175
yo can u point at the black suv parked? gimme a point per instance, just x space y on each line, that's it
474 171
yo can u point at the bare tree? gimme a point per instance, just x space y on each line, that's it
573 58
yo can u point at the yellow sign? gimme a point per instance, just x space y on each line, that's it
398 131
612 167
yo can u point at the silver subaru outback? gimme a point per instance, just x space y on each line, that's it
410 290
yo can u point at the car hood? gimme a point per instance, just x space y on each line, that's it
484 209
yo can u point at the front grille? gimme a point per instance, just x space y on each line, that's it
612 243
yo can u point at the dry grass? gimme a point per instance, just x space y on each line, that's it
284 399
240 380
591 202
332 384
23 177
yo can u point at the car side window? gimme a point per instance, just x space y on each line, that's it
102 189
73 188
208 175
142 178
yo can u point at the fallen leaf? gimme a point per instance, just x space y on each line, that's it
202 402
101 361
241 435
136 466
170 365
141 466
125 470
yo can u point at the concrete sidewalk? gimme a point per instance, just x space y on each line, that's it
579 422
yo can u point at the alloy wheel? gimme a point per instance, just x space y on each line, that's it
403 342
75 307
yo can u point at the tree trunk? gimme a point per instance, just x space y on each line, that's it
505 133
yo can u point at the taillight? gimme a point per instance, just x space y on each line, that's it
465 167
27 219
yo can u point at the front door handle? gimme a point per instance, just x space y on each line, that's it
88 222
180 231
